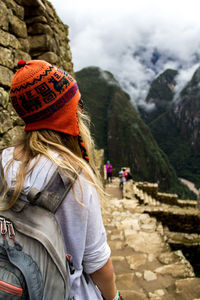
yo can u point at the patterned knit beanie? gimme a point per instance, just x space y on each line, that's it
45 97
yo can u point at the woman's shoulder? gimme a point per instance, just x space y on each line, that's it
85 189
6 155
85 183
7 151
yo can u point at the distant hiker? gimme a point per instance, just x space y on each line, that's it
109 171
50 195
125 174
121 179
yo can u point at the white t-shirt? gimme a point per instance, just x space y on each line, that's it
82 226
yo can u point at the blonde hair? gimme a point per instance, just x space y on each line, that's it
40 142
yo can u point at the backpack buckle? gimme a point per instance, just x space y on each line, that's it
70 263
11 231
3 226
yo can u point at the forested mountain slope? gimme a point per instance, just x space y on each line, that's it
118 128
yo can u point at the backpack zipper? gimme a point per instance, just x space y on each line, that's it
11 289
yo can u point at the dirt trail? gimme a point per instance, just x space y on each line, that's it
190 185
113 189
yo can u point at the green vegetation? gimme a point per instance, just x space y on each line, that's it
184 158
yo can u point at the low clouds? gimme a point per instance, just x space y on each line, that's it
134 41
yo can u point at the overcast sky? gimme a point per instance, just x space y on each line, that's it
106 33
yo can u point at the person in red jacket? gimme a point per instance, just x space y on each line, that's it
125 173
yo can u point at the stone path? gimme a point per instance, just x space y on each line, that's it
145 267
190 185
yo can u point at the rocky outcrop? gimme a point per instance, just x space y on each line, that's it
28 30
187 111
175 122
160 96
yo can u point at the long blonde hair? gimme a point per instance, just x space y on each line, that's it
40 142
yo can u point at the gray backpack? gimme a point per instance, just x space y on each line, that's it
33 262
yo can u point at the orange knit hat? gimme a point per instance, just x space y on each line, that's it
45 97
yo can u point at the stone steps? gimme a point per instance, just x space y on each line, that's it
145 267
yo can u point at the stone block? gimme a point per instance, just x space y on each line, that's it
149 275
17 121
6 58
51 57
189 287
38 19
168 258
116 245
9 40
118 235
29 2
11 135
17 27
131 294
129 233
17 10
19 54
65 53
129 223
130 205
4 97
125 281
151 227
120 264
38 43
167 198
42 43
6 76
157 294
35 10
58 29
5 121
146 242
39 28
24 44
51 11
68 66
136 260
177 270
4 24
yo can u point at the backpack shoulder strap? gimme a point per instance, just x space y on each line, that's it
54 193
1 173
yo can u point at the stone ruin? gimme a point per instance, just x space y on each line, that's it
29 29
147 236
180 218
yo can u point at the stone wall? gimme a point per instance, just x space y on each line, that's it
178 215
180 218
99 161
29 29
